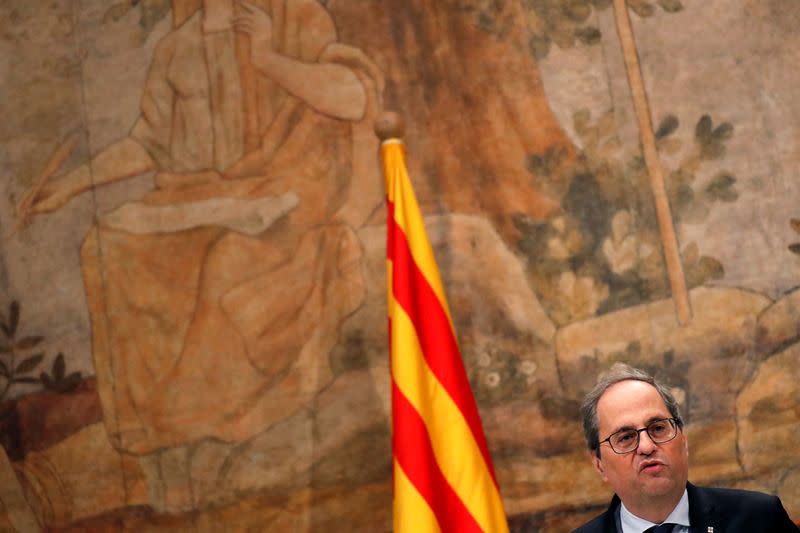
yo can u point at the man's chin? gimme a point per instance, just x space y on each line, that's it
654 486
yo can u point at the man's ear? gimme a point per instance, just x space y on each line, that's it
598 466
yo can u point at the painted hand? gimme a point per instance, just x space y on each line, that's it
45 199
256 23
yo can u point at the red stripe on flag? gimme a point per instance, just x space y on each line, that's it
390 224
414 294
414 452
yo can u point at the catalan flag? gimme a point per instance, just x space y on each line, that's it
443 475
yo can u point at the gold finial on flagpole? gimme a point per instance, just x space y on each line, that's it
389 125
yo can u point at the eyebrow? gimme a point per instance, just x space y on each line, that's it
646 423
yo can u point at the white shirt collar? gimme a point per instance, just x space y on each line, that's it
633 524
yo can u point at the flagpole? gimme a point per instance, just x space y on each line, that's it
669 241
442 475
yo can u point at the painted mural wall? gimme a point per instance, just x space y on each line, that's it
192 285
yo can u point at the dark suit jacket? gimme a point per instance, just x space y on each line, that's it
726 510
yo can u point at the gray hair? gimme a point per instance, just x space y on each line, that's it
619 372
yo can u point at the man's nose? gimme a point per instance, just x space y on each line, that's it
646 444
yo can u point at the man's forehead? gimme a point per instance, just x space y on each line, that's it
630 403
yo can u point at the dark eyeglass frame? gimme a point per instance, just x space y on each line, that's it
674 422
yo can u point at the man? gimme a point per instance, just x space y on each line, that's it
635 432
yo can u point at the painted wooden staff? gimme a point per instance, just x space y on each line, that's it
655 169
247 74
181 10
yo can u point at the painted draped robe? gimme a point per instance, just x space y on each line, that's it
214 305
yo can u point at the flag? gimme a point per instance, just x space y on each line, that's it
444 480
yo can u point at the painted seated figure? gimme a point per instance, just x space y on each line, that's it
216 298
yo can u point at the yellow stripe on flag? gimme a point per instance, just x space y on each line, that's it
444 479
411 511
454 446
409 218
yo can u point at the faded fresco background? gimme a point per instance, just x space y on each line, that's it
183 350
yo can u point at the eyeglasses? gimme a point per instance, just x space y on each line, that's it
627 440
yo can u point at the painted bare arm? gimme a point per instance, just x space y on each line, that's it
124 159
332 89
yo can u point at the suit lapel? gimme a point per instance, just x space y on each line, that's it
610 516
702 512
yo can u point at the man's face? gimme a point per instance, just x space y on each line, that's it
652 472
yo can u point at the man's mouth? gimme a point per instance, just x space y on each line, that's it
652 467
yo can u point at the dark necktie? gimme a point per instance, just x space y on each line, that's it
662 528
